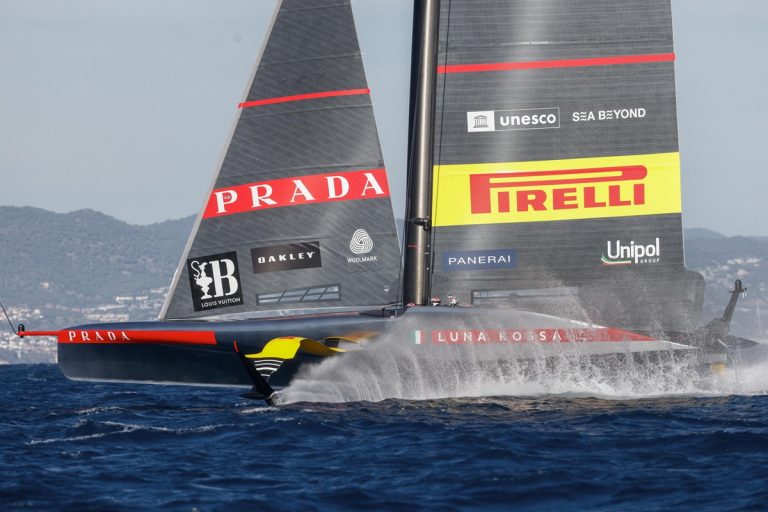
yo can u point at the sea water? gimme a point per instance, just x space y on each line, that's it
394 434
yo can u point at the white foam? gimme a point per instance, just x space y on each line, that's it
258 410
66 439
124 429
395 368
131 427
96 410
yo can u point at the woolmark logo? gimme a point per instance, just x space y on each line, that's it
276 258
488 259
618 253
361 242
506 120
215 281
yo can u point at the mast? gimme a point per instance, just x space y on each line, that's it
419 196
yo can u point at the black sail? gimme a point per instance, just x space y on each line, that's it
556 165
299 215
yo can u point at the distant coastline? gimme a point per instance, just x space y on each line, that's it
87 267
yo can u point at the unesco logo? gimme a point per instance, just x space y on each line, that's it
505 120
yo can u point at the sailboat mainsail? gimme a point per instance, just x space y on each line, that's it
299 216
556 164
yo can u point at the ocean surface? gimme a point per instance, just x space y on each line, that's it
87 446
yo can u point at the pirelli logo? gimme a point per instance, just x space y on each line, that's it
537 190
542 191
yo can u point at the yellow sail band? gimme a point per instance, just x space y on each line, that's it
540 191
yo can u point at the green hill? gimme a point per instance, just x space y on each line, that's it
83 258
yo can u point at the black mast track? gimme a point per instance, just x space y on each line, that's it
418 209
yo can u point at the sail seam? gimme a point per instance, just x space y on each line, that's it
285 62
304 110
554 64
303 97
316 7
236 179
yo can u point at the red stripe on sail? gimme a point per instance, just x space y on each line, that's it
112 336
553 64
298 190
302 97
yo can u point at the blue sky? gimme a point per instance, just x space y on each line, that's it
124 107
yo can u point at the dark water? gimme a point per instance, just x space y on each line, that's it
82 446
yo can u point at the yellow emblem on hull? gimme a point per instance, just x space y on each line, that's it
286 347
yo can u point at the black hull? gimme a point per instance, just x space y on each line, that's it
209 365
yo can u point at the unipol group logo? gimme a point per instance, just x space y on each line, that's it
215 281
520 119
361 242
619 253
